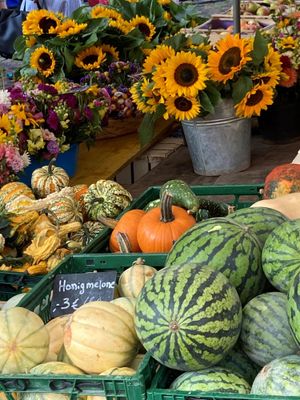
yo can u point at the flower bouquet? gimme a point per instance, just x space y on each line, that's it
185 78
47 118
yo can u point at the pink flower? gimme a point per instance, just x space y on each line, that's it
48 135
13 158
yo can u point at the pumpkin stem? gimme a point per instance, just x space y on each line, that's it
123 242
51 165
166 207
109 222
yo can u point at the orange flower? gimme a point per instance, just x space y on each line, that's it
289 77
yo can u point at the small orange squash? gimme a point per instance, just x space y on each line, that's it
282 180
161 226
127 224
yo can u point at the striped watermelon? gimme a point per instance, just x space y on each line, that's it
261 220
188 317
266 334
281 377
225 246
293 306
281 254
214 379
238 362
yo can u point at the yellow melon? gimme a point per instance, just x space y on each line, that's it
55 328
127 303
24 340
99 336
55 368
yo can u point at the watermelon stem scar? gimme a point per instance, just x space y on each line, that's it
173 325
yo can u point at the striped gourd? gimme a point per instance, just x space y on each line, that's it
281 377
281 254
261 220
293 306
214 379
237 361
188 317
106 198
266 334
48 179
12 190
64 209
226 246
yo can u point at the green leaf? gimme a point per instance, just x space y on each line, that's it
146 128
240 88
177 41
260 48
69 59
213 93
205 102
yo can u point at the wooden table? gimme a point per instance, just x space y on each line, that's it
110 156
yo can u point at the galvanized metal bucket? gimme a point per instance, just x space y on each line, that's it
219 146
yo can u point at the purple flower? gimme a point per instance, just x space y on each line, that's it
47 88
70 100
53 121
53 147
16 93
88 113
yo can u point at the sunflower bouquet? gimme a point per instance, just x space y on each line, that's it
185 78
47 118
54 47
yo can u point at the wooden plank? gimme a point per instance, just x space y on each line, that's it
109 156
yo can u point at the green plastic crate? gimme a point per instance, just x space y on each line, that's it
113 387
165 376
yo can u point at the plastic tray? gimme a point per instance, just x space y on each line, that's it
113 387
164 377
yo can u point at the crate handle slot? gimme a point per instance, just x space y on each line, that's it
57 385
19 385
81 386
13 280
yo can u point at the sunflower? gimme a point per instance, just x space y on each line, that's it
229 57
43 60
164 2
9 127
144 25
105 12
158 77
70 27
40 22
90 58
270 78
110 51
167 16
185 74
144 96
272 60
287 43
156 57
182 107
30 41
289 77
121 25
256 100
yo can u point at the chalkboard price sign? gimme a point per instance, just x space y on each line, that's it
70 291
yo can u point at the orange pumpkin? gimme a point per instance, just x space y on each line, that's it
282 180
127 224
161 226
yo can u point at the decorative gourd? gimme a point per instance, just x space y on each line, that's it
160 227
133 279
56 258
88 232
99 336
55 328
127 303
106 198
288 205
24 340
55 368
48 179
65 209
282 180
182 195
43 222
79 193
42 247
12 190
